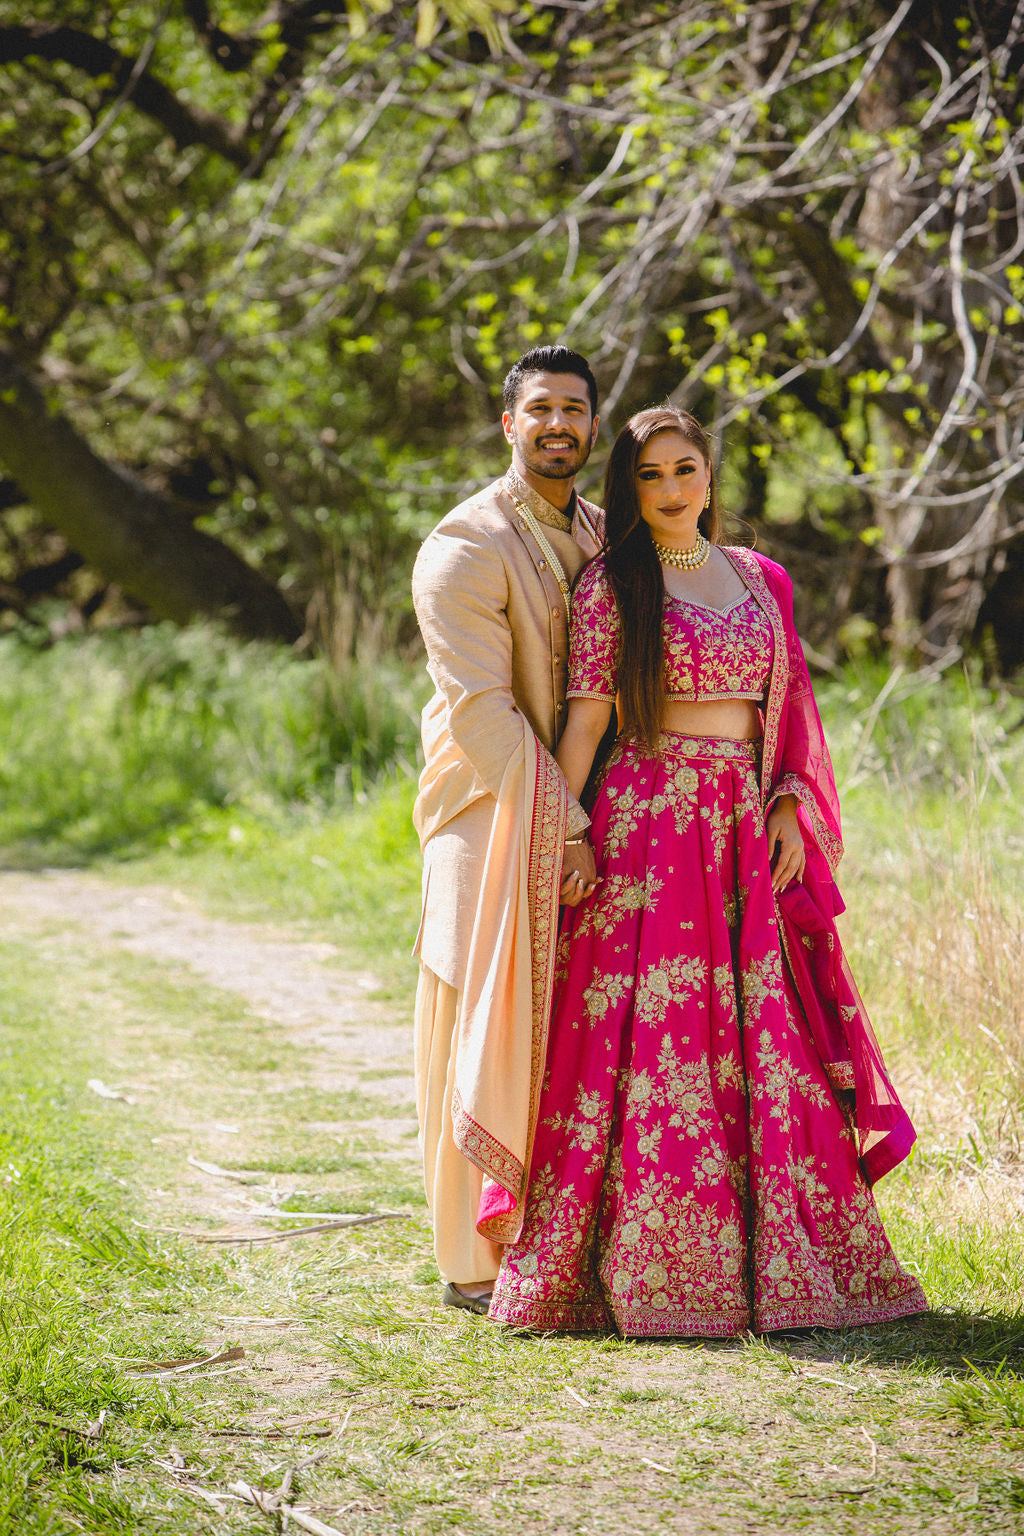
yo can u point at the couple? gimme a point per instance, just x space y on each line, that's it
664 1115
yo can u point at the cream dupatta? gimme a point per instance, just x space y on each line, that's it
501 1040
505 1003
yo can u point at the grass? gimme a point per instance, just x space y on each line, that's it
454 1426
82 1291
115 742
426 1420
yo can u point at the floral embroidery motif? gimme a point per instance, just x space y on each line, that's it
677 979
603 992
616 896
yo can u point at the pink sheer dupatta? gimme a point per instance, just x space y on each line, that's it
796 761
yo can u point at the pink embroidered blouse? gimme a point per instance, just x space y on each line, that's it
710 653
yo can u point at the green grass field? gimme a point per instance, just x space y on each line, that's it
357 1399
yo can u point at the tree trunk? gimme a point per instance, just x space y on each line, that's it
126 531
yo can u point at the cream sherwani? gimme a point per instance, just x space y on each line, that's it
492 814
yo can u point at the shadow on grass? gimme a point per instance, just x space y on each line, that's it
46 848
959 1343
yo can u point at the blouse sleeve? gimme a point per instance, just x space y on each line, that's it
594 637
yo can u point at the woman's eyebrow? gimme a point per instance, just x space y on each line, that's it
688 458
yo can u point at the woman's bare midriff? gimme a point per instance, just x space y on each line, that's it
735 719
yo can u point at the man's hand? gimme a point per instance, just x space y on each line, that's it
579 874
784 835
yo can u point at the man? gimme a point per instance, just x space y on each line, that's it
502 838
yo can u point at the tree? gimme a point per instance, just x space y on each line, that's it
277 261
133 535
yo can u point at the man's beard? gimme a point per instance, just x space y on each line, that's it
560 469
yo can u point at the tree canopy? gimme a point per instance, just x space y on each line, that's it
264 266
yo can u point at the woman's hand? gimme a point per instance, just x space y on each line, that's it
785 843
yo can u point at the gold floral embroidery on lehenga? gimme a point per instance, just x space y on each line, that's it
677 979
619 896
587 1125
694 1171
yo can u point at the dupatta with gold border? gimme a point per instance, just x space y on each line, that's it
795 760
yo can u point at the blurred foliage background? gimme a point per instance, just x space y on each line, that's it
263 264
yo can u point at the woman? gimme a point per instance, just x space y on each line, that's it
715 1107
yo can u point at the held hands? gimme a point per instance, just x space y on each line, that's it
785 843
579 874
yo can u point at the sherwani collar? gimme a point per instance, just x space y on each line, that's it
520 490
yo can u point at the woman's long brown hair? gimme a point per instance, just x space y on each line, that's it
634 569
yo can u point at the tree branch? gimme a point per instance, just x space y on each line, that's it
134 536
70 45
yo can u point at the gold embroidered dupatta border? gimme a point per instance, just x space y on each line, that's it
504 1017
745 563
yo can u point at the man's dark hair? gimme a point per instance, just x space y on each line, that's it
548 360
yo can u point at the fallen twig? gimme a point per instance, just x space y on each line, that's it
282 1237
272 1504
873 1448
178 1367
101 1089
216 1171
90 1432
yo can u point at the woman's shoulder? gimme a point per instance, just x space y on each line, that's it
593 581
752 559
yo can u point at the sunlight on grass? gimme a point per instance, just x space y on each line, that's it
428 1420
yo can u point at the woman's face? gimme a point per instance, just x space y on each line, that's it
672 479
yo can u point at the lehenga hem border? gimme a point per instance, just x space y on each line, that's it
670 1323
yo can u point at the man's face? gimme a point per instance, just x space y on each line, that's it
551 429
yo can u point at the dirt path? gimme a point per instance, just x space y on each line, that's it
293 983
347 1041
261 1071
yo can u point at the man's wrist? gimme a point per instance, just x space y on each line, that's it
577 824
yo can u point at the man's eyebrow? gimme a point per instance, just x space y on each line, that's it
546 396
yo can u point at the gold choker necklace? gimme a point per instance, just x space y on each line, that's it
684 559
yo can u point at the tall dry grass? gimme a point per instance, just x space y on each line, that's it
932 776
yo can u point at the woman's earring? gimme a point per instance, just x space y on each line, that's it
707 497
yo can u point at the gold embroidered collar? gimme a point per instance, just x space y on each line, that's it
542 510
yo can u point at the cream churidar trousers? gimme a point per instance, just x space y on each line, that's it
453 1183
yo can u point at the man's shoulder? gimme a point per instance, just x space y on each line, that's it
475 536
485 512
588 525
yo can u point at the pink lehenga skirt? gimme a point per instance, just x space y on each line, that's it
694 1171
